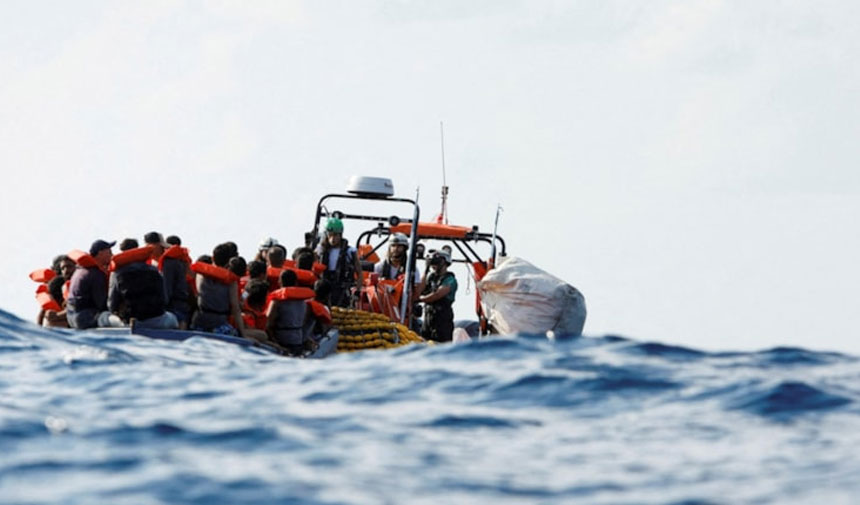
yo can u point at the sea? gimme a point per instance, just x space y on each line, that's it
530 419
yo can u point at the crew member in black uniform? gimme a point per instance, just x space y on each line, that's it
440 288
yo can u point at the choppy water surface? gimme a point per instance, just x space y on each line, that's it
85 419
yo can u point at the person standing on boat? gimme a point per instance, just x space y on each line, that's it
439 290
86 306
343 268
394 264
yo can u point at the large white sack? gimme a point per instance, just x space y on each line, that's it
518 297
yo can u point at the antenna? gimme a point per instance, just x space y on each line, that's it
443 215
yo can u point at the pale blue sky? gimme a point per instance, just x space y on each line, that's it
690 166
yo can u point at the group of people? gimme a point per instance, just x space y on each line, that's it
271 299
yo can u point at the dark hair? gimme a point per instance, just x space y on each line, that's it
238 266
305 261
322 290
277 256
221 255
173 240
127 244
55 265
256 268
288 279
301 250
204 258
234 249
55 288
257 292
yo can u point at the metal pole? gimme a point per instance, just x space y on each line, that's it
410 265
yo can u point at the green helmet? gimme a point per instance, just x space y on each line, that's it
334 225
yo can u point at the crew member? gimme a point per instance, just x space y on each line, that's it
343 267
440 287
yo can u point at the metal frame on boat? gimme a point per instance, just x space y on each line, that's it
464 239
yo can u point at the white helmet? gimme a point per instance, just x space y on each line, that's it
267 243
399 239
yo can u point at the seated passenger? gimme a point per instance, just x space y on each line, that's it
286 313
217 296
254 308
86 305
174 263
136 291
318 319
54 318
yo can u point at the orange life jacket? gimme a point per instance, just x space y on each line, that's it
321 311
43 275
291 293
213 272
174 251
66 286
254 318
137 255
46 301
365 254
303 277
83 259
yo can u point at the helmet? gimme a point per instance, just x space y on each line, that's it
399 239
334 225
441 255
267 243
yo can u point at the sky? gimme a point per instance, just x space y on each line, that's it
690 166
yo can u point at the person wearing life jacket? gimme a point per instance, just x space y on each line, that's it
86 305
286 313
343 268
254 305
56 288
136 290
256 271
318 319
174 265
217 296
439 290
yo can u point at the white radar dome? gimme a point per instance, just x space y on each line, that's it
379 187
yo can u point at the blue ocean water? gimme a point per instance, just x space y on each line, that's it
86 419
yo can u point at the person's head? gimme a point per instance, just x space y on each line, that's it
234 249
237 265
305 261
334 231
101 252
64 266
257 292
440 260
398 243
322 290
263 248
204 258
298 251
128 243
221 255
288 279
173 240
156 240
257 270
276 256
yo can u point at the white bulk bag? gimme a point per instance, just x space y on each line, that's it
518 297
